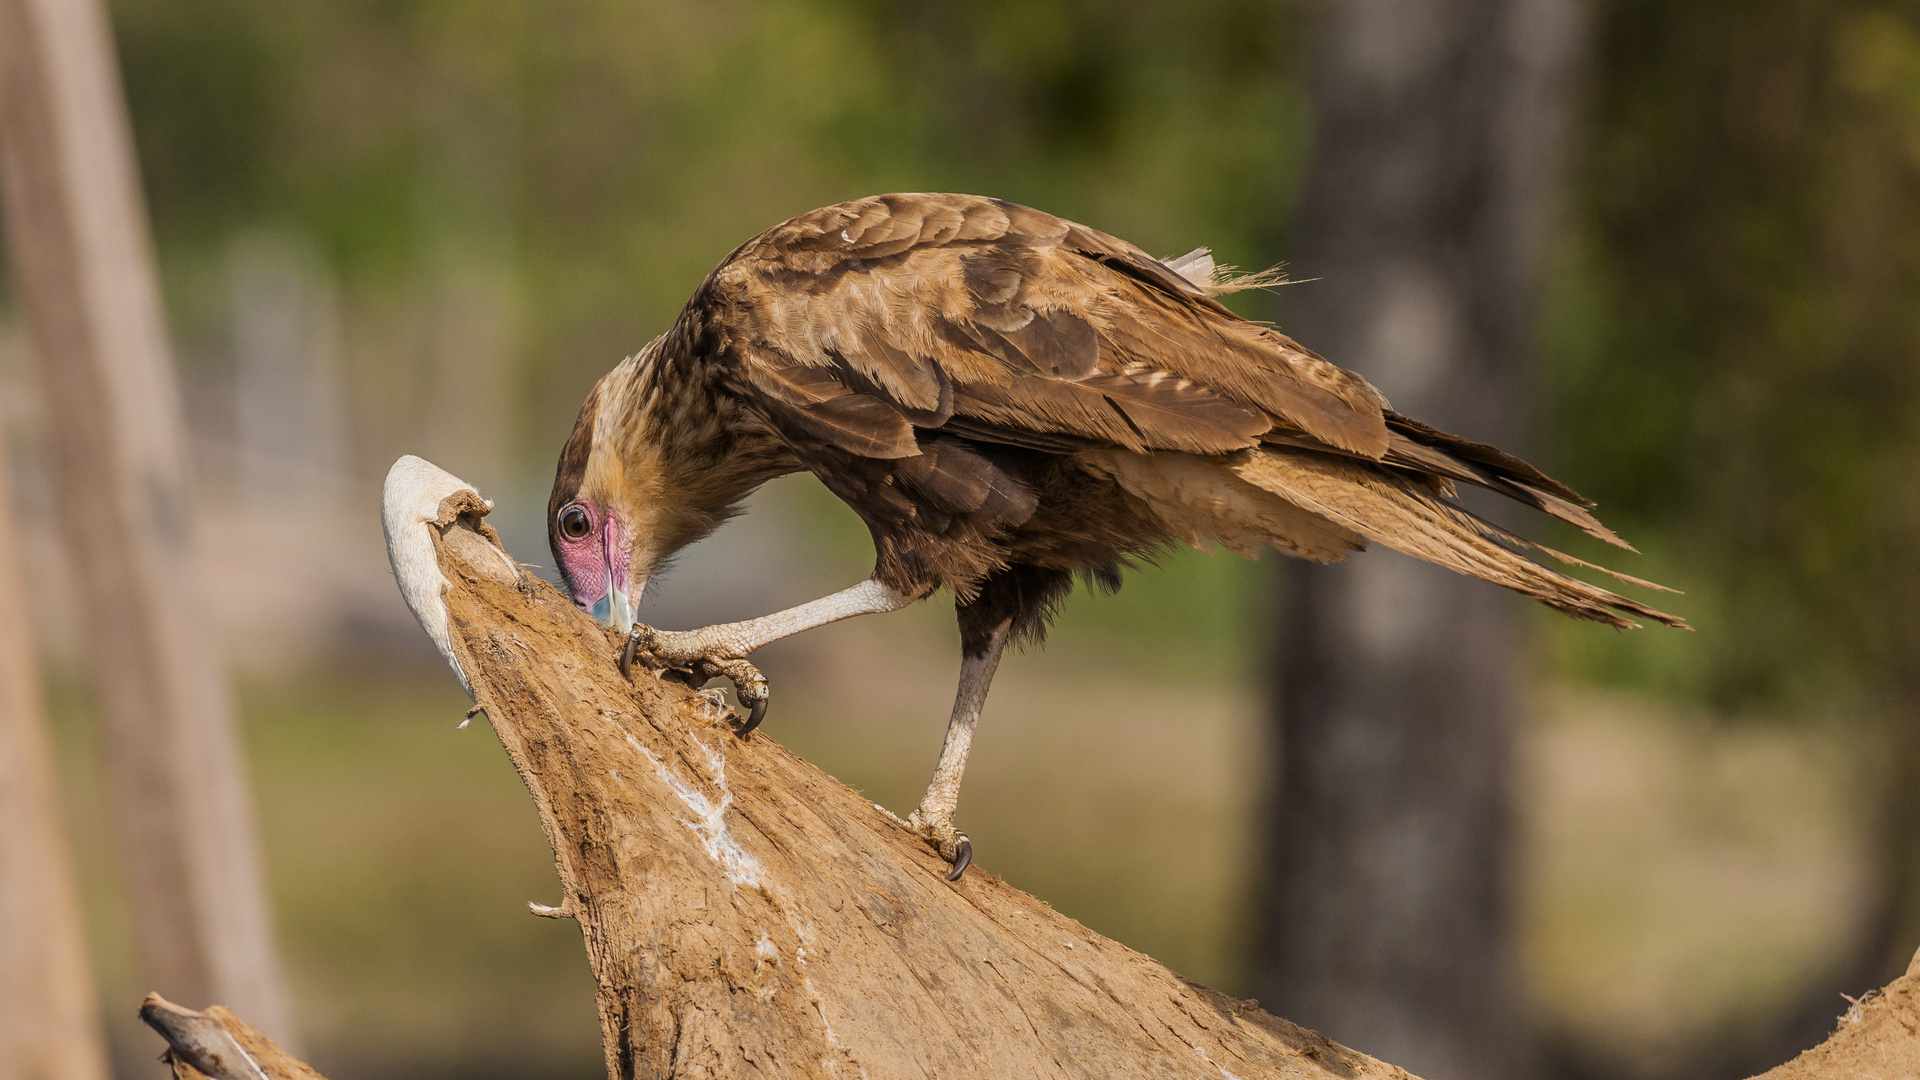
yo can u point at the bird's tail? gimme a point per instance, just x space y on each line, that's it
1319 505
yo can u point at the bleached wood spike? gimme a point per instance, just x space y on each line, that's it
412 502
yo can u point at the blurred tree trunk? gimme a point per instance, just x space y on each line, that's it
77 233
1752 208
1389 917
49 1029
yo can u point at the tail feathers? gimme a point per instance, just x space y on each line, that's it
1494 532
1381 505
1543 493
1439 460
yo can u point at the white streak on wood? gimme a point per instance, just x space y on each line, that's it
1201 1050
710 821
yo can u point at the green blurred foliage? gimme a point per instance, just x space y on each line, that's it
1734 346
610 153
401 855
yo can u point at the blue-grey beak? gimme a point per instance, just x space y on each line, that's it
615 608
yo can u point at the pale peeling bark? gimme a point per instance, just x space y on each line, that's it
217 1045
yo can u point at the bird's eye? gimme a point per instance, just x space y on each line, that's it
575 523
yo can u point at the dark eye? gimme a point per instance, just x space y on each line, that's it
575 523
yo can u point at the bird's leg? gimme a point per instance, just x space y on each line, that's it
934 818
721 650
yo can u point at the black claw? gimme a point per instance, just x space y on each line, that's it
626 656
754 715
961 861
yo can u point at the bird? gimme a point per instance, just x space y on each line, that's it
1011 402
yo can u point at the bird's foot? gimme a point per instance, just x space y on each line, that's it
692 654
939 832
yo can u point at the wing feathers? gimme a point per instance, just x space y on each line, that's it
814 401
957 479
1174 414
1254 367
926 273
1430 464
1139 410
1059 344
1491 456
1203 503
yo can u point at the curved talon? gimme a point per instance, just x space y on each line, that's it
962 860
626 656
754 715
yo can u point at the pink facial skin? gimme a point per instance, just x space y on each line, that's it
583 562
597 566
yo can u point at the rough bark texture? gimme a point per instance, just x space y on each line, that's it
48 1027
1877 1039
1389 920
747 915
83 270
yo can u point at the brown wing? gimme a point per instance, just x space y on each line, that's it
860 322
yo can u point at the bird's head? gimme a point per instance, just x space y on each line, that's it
652 466
627 494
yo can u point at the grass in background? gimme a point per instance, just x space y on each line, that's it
401 854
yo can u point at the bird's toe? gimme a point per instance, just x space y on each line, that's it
941 835
748 684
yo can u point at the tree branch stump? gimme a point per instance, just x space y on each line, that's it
747 915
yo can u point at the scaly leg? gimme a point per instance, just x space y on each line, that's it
721 650
934 818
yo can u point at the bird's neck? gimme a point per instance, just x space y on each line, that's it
689 451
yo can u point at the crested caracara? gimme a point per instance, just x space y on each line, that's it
1008 400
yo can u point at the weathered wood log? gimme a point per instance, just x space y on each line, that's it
1877 1039
747 915
217 1045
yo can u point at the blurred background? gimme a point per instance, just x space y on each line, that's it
427 226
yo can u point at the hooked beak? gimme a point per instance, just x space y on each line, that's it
615 609
615 606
